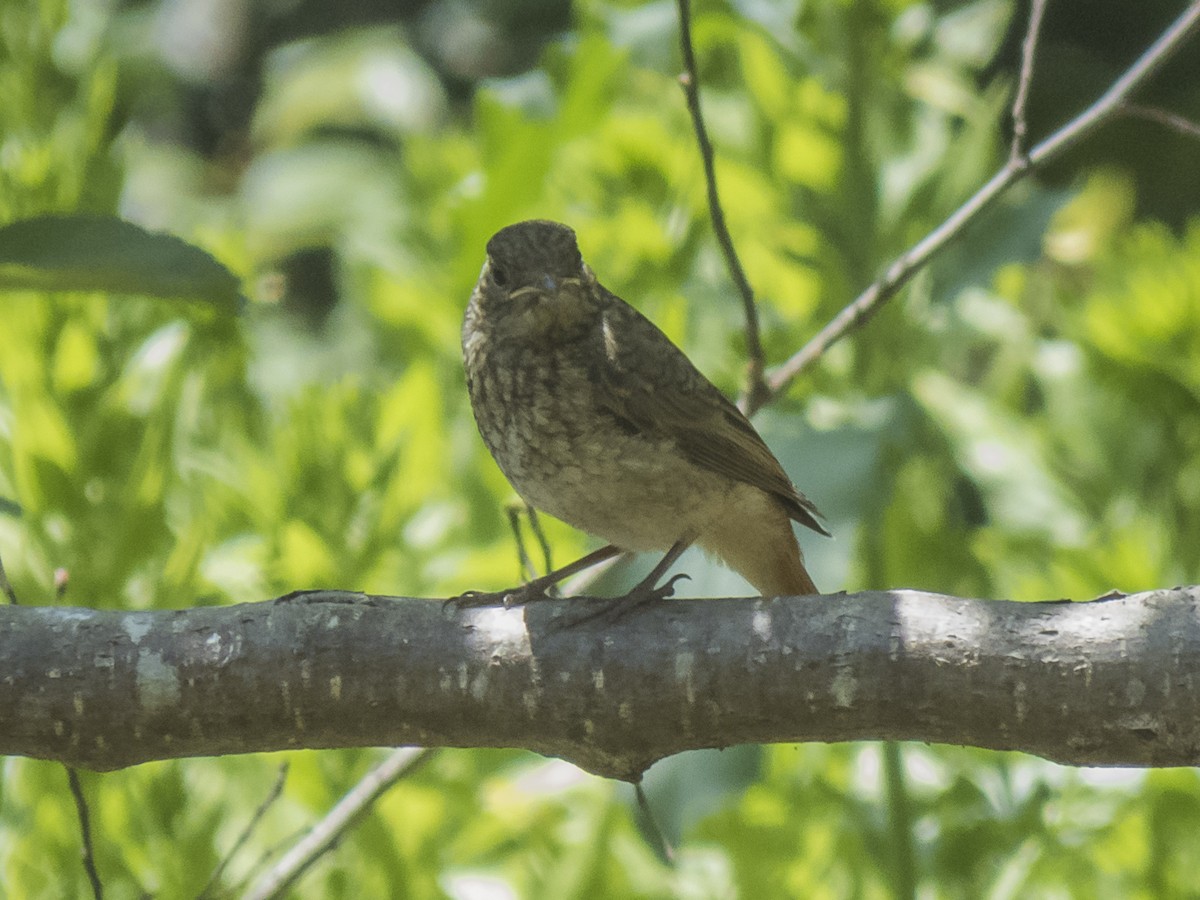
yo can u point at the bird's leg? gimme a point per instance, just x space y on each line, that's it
648 590
537 588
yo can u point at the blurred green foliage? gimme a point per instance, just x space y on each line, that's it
1023 422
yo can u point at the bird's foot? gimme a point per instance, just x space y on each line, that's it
530 592
538 589
611 610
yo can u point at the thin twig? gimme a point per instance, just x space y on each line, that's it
690 80
6 585
528 570
325 834
535 525
524 563
85 829
270 853
1163 117
268 801
907 265
1028 48
643 802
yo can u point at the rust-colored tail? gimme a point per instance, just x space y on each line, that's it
758 543
777 569
788 577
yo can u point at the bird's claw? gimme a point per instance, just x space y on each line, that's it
664 590
519 596
612 610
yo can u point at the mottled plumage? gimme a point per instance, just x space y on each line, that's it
597 418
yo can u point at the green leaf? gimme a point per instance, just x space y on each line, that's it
1006 457
101 253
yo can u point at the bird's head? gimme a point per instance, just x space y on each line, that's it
535 277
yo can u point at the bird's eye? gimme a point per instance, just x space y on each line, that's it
499 276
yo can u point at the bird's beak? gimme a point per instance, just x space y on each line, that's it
548 287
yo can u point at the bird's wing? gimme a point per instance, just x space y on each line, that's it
654 387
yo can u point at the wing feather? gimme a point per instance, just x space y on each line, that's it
651 384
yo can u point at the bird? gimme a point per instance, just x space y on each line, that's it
595 417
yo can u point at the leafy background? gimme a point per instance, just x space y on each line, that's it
1023 422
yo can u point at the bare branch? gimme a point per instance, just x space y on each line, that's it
690 80
85 830
1172 120
1025 79
106 689
325 834
904 268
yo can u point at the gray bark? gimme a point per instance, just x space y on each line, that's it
1107 682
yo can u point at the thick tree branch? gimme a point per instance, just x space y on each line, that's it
1110 682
